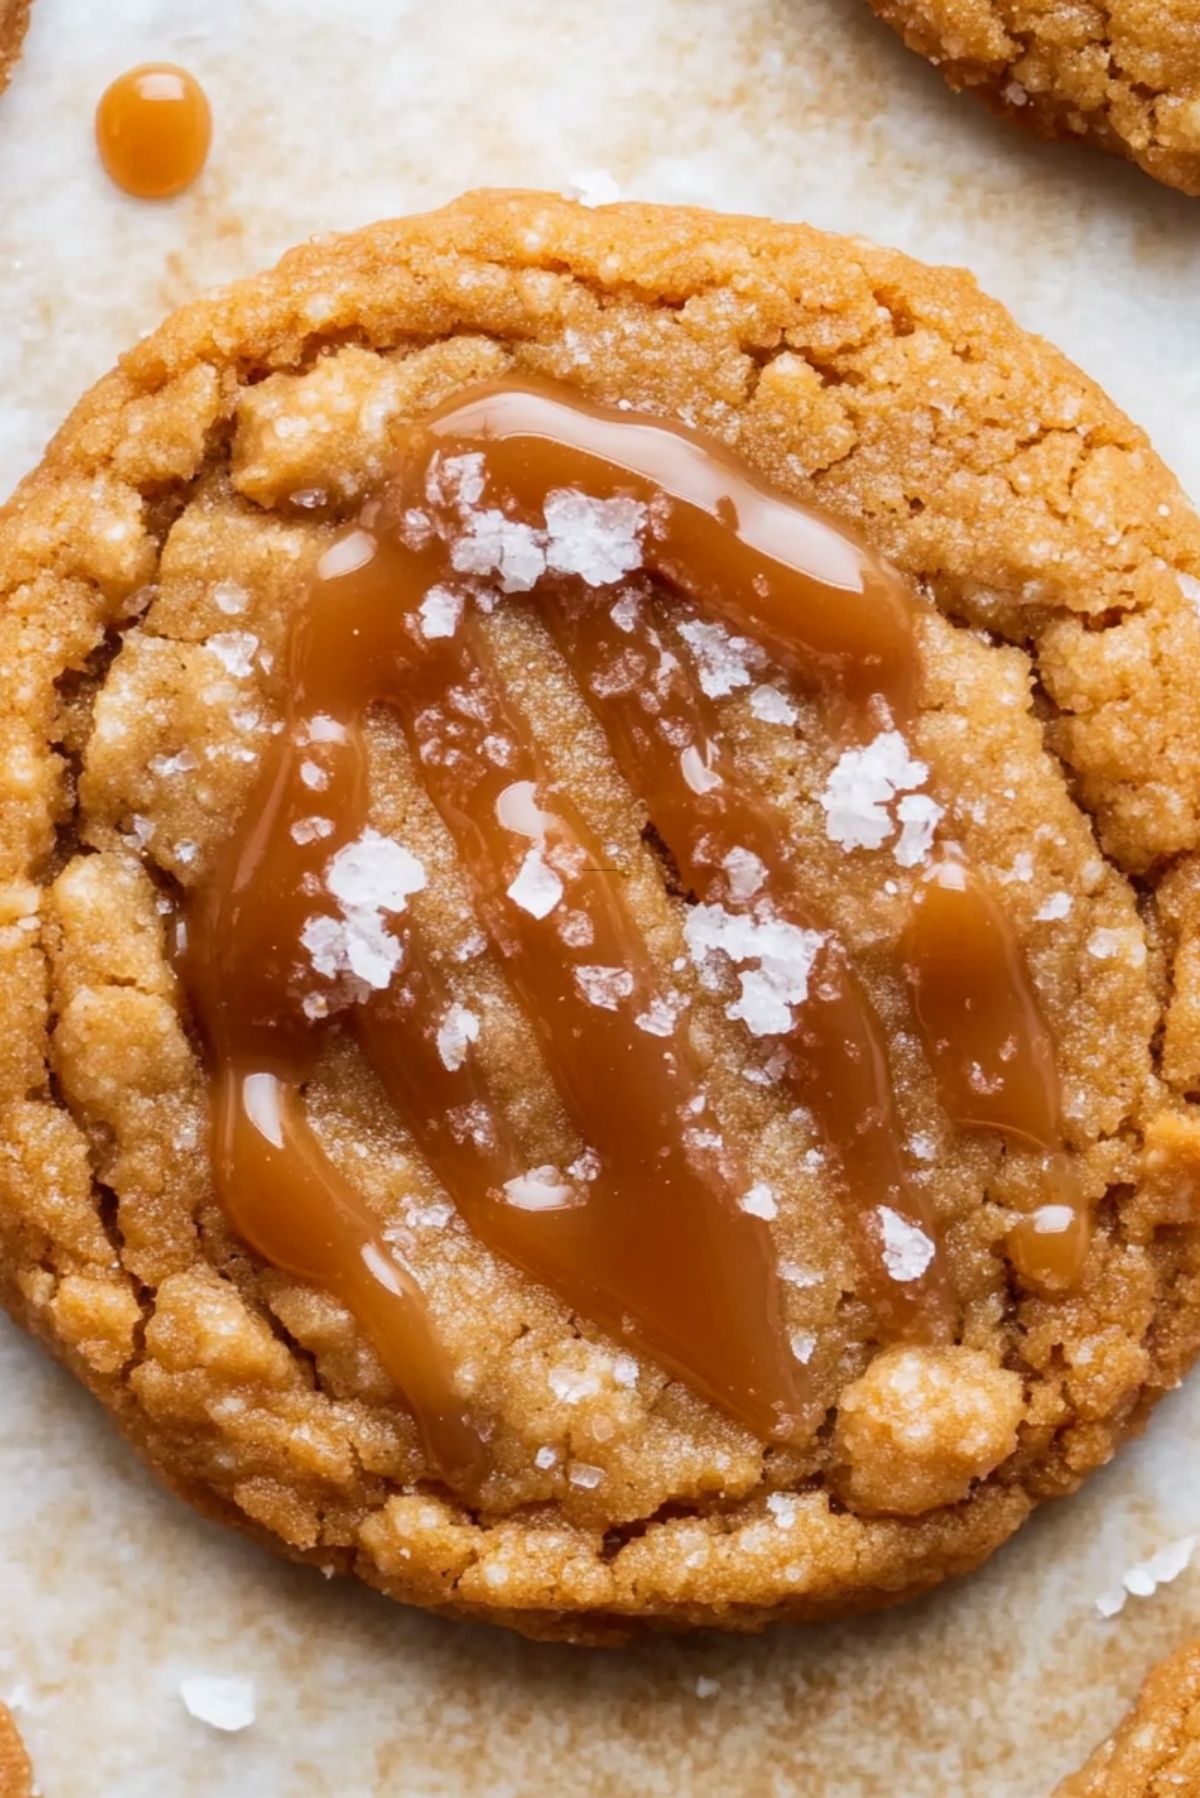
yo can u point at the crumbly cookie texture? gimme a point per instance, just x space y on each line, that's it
1124 76
1156 1751
149 569
14 23
16 1774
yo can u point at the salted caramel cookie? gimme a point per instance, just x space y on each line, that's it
600 915
16 1775
1125 77
14 23
1156 1751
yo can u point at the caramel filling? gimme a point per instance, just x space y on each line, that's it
153 129
654 1231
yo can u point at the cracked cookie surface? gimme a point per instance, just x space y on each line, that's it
1156 1751
150 567
1124 76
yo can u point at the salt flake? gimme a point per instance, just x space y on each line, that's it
907 1251
457 1031
537 889
597 539
226 1704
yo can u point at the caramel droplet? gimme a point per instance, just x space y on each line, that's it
153 129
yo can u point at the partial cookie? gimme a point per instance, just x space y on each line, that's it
14 22
1156 1751
1019 710
16 1774
1124 77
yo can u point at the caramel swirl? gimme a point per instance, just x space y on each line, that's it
655 1230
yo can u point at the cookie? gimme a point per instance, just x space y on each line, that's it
16 1775
1156 1751
14 23
1124 78
600 915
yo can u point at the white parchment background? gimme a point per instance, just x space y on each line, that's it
330 113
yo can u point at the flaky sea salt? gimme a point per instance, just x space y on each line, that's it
803 1344
440 611
907 1251
780 957
659 1017
311 830
722 661
597 539
919 816
1058 905
582 1473
759 1201
1144 1578
604 987
572 1384
1189 586
225 1704
746 873
230 598
537 889
1118 945
772 706
860 792
541 1189
456 1032
492 544
368 877
235 651
375 870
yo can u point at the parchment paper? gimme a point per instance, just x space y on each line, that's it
330 113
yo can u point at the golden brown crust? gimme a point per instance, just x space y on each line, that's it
1125 77
14 23
989 469
1156 1751
16 1774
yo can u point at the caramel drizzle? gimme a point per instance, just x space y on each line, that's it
645 1235
993 1057
834 1059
